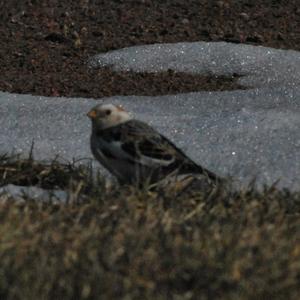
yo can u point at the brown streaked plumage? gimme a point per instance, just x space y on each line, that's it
135 152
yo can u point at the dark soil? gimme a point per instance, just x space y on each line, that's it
45 44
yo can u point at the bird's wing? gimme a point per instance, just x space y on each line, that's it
148 152
147 147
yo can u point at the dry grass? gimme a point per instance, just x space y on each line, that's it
125 243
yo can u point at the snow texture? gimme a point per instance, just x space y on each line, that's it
259 66
245 134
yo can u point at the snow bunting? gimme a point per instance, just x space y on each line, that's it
135 152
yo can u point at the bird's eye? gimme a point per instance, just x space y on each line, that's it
108 112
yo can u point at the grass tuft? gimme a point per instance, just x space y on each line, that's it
124 243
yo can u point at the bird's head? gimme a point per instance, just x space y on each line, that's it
108 115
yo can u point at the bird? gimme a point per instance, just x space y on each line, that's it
134 152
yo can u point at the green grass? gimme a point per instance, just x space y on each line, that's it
121 243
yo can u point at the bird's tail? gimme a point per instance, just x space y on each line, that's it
194 168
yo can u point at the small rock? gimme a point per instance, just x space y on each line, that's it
245 16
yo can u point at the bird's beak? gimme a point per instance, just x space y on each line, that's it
92 114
